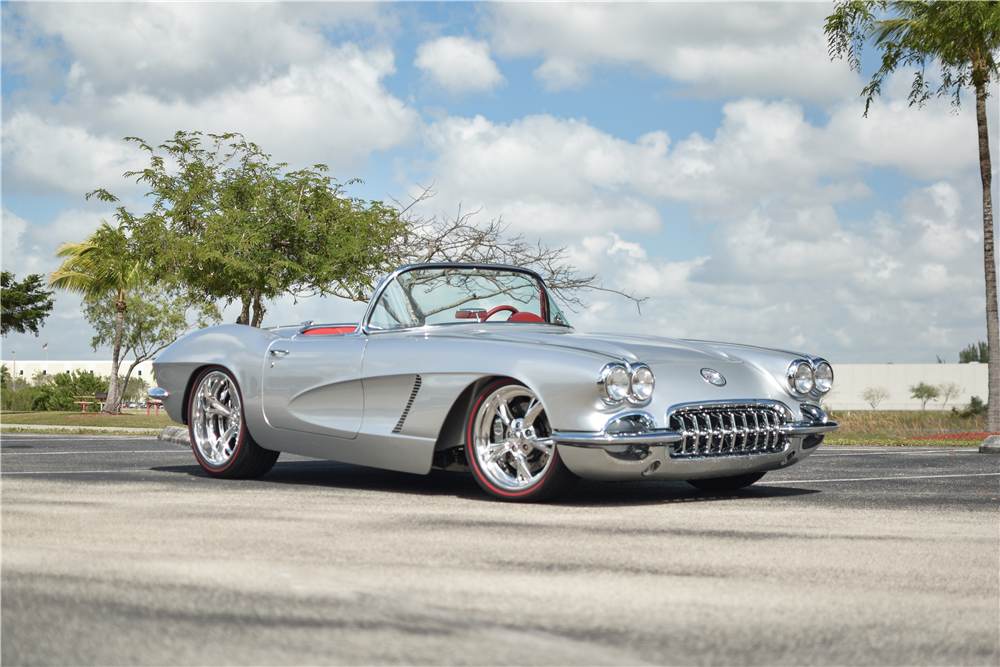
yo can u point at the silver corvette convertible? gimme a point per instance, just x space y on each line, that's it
474 368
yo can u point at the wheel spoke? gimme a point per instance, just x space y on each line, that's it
231 432
523 470
544 447
496 450
503 410
218 408
534 409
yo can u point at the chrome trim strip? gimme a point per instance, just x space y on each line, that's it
158 393
660 436
801 429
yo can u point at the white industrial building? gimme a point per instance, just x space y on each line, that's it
28 369
851 380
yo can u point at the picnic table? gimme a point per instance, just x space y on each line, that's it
84 401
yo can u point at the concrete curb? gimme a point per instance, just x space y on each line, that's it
991 445
76 429
177 435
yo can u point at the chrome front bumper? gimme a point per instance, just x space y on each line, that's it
653 437
716 449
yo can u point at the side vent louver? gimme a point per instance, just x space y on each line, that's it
409 404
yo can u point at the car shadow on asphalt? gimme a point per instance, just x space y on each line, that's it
587 493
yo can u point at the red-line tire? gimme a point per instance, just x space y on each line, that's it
219 436
505 446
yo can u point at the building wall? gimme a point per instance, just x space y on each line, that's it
850 380
27 369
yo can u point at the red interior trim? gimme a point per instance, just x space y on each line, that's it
525 317
326 331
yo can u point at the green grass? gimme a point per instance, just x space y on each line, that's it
135 419
902 428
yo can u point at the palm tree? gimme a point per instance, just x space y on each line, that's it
102 266
963 40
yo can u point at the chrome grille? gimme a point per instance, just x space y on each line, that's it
727 430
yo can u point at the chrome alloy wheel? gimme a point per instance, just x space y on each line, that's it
506 432
216 419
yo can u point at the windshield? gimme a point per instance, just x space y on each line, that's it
448 295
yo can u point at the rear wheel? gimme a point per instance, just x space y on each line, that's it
508 448
219 436
726 483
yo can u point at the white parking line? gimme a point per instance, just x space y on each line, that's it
875 479
109 451
964 450
74 472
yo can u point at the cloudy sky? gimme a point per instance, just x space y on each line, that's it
707 156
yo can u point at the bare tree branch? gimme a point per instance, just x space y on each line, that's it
463 239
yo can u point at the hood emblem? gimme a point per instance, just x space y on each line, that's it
713 377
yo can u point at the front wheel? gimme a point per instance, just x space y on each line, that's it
508 448
726 483
219 436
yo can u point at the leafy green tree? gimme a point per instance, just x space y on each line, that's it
230 224
24 305
975 353
5 378
924 392
155 315
59 391
104 266
963 40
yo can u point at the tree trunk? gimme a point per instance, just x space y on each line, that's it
113 405
258 310
992 322
244 317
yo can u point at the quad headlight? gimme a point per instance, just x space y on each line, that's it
810 377
620 381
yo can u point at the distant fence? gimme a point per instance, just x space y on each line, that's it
851 380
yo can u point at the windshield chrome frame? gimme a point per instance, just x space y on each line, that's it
386 281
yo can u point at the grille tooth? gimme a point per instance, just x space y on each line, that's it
727 430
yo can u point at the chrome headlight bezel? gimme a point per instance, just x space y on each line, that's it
823 374
809 377
800 377
620 382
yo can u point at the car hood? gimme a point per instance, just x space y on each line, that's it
631 347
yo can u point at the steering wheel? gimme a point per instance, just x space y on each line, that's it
493 311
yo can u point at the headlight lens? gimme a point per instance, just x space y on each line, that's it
800 377
824 377
620 381
642 384
617 384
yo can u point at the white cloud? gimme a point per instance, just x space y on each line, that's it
459 65
883 285
13 228
544 174
30 247
783 269
770 49
174 50
41 156
560 73
334 112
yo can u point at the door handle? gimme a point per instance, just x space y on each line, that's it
279 353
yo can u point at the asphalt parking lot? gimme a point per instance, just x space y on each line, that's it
118 550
